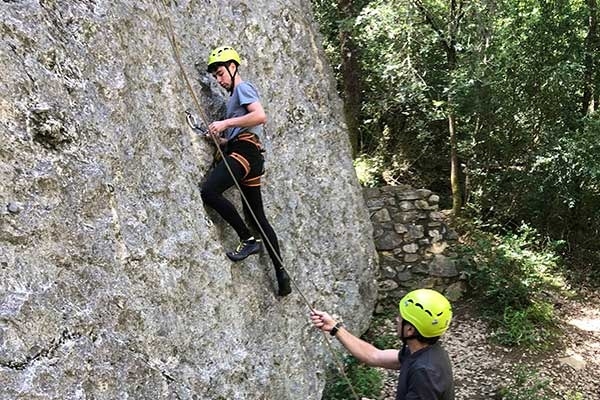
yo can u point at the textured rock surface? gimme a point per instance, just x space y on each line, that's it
113 281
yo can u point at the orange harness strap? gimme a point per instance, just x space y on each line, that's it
252 182
250 138
243 162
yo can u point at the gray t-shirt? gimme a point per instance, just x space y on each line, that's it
244 94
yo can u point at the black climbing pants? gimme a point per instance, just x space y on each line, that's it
247 164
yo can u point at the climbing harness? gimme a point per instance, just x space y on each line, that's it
250 138
191 120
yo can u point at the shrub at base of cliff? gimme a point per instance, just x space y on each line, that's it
366 381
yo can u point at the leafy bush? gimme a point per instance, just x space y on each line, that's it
571 395
528 386
511 275
368 170
532 327
366 381
386 341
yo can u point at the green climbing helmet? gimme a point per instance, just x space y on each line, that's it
427 310
220 56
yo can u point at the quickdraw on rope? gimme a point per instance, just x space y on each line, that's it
193 123
191 120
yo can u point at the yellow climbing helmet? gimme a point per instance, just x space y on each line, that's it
220 56
427 310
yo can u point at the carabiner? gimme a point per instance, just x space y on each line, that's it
193 123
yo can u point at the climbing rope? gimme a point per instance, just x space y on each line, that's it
170 32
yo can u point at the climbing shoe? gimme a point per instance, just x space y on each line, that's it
245 248
283 281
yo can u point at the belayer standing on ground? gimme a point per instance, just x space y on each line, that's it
425 369
239 137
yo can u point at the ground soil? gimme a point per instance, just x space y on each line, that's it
482 368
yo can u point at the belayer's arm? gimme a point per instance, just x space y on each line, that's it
366 352
363 351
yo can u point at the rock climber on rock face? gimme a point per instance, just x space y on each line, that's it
238 135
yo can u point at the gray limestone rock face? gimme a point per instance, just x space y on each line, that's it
114 282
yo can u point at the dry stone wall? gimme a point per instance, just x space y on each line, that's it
413 241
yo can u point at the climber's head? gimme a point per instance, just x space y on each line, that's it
428 312
223 63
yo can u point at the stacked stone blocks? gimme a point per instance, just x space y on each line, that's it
413 242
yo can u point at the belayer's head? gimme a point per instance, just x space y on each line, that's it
427 312
223 63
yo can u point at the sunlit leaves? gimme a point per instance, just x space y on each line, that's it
516 93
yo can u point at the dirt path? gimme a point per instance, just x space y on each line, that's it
571 371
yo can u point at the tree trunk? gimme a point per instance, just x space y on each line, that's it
455 181
590 77
350 70
450 44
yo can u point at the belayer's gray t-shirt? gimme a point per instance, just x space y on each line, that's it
244 94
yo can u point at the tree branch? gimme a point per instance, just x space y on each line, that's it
430 19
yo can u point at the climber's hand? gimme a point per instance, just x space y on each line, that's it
216 137
218 126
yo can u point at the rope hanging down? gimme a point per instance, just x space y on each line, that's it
170 32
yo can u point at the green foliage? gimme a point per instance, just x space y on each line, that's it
333 21
572 395
531 155
526 148
396 111
368 171
533 326
527 386
366 381
511 274
386 341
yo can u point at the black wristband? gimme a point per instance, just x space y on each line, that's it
335 328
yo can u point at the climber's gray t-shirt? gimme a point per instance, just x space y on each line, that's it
244 94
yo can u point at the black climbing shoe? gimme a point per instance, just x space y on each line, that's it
283 281
244 249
